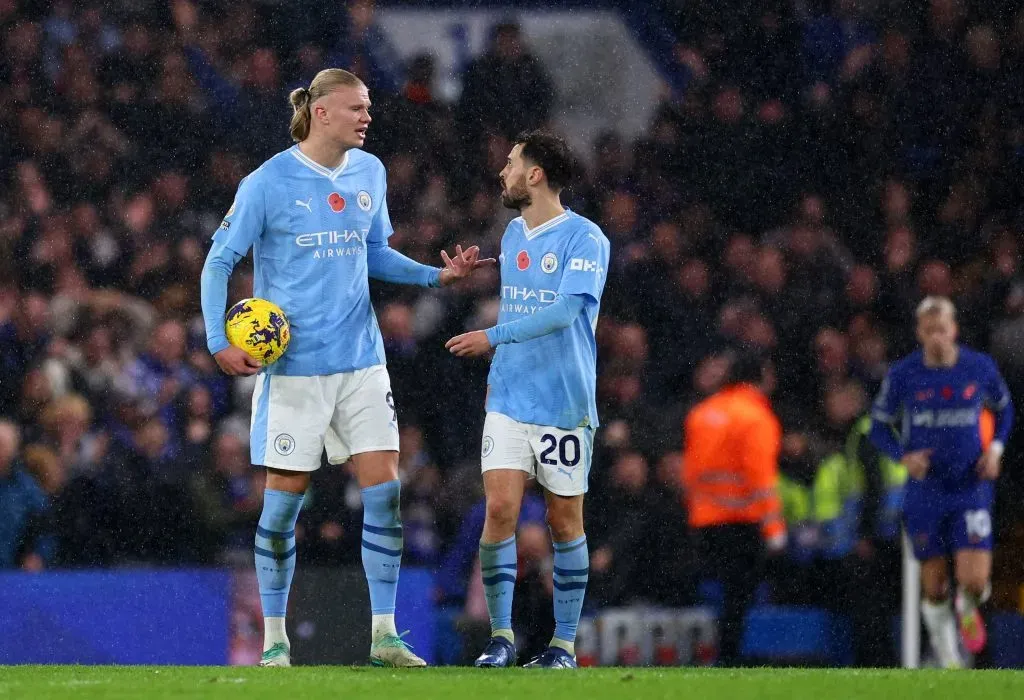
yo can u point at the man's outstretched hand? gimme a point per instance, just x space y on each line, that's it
463 264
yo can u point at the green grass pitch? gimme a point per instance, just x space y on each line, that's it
341 683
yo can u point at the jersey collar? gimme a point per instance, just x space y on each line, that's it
316 167
546 226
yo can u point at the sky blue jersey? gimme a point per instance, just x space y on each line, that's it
939 408
550 380
317 235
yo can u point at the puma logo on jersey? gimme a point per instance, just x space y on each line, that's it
307 203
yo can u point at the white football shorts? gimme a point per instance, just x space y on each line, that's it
295 418
559 459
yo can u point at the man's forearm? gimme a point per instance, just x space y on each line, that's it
556 316
388 265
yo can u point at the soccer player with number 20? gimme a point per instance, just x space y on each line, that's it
541 406
935 398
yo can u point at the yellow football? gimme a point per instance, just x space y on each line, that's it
260 328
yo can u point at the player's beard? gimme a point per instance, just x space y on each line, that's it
515 197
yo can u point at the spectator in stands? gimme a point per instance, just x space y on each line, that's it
361 44
66 429
619 532
421 484
25 540
23 343
160 376
144 487
227 494
793 576
506 89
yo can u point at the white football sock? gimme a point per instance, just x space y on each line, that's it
274 632
942 631
966 602
383 626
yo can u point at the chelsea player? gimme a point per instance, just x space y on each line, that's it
934 399
541 407
316 217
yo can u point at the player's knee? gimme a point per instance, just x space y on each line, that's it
935 591
564 523
502 513
973 583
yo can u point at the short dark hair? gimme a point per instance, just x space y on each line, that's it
747 367
506 26
552 154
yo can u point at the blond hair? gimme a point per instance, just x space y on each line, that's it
302 99
45 466
65 409
934 305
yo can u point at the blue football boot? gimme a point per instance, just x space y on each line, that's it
553 657
499 653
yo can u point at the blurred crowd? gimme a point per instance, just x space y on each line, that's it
828 164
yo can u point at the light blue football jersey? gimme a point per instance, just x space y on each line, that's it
550 380
308 227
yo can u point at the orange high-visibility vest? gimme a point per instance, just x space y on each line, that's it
730 461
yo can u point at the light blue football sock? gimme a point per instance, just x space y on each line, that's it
571 571
382 544
275 549
498 571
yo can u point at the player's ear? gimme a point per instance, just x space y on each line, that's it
535 175
320 113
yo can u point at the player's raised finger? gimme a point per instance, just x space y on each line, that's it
458 251
485 262
446 259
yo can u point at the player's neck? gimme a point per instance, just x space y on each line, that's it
541 210
323 152
946 358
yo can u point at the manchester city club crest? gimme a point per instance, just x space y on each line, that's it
488 446
364 200
284 444
549 263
